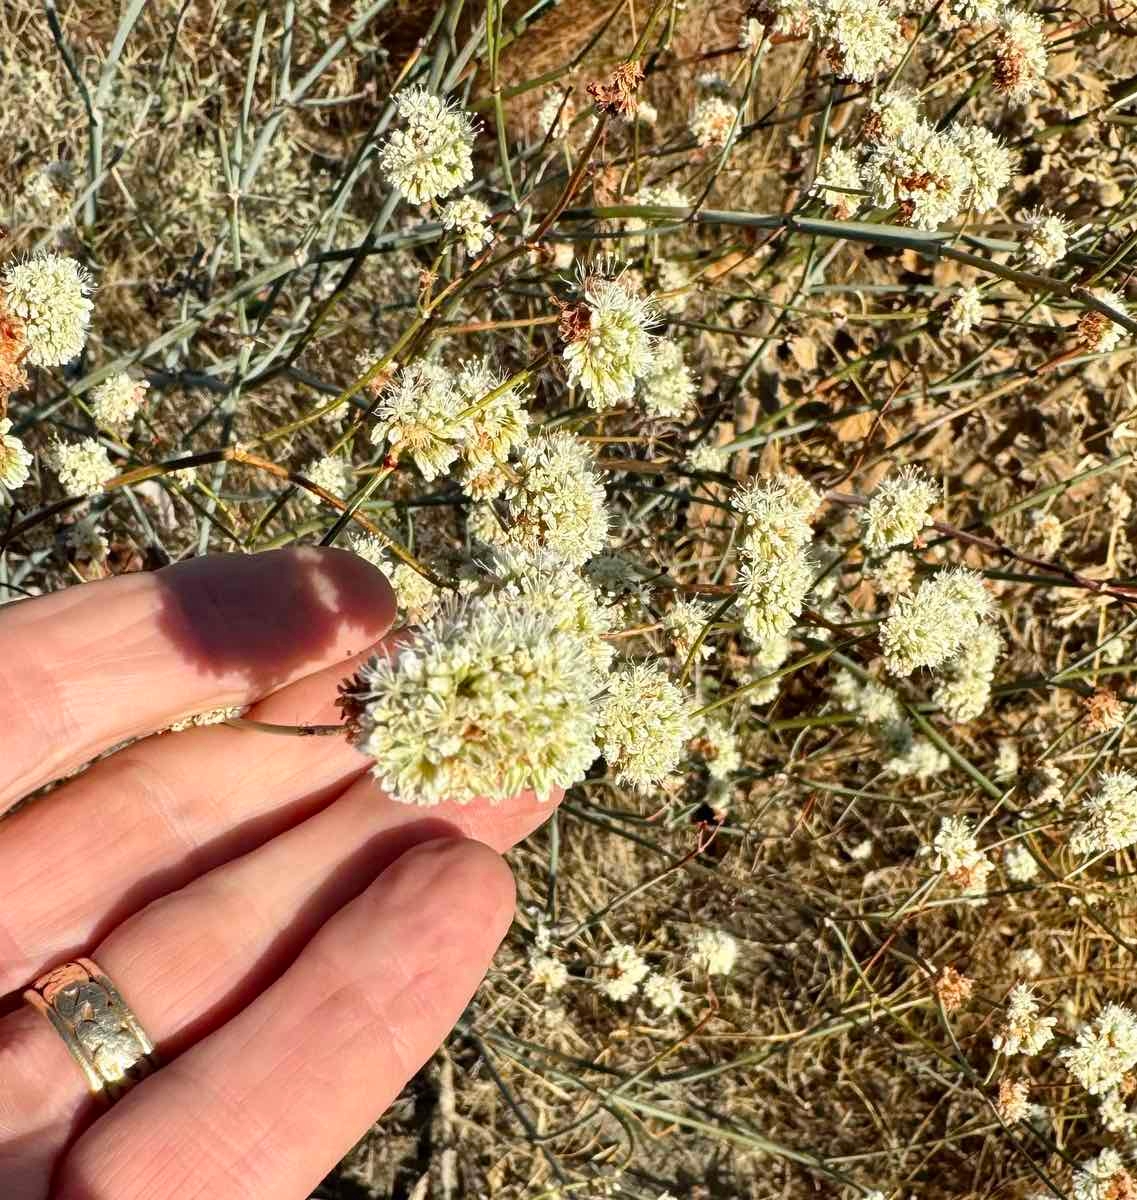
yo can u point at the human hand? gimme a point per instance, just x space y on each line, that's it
295 943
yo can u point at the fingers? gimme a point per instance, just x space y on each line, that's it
149 819
98 664
269 1103
192 959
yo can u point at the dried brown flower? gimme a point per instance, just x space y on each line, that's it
1104 711
575 322
1012 1103
952 988
618 92
1091 329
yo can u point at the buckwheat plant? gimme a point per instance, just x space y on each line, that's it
739 398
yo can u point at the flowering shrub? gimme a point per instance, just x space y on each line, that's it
740 399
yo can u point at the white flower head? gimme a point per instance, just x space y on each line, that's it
1108 820
1045 237
684 621
430 155
1103 1177
989 165
419 415
330 472
83 467
927 628
115 402
607 344
1021 866
839 182
956 852
964 312
667 387
542 582
548 973
862 38
1020 55
645 725
469 218
917 759
627 970
50 294
714 951
923 171
1096 332
712 121
719 746
663 992
557 501
1023 1030
1104 1049
15 458
485 699
965 690
496 426
898 509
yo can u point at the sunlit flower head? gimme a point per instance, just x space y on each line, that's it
485 699
898 509
430 155
115 402
712 121
645 725
557 501
50 294
469 218
927 627
83 467
607 346
1020 55
15 458
1108 818
419 415
714 951
862 38
1045 237
1104 1049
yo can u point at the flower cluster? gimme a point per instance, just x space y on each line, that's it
1104 1049
965 690
15 459
667 387
607 347
956 852
431 155
419 414
1023 1030
714 951
928 627
50 295
626 971
557 500
645 725
469 218
1108 819
83 467
486 699
898 510
776 573
115 402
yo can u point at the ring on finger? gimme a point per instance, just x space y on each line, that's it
96 1024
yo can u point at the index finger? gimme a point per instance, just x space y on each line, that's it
97 664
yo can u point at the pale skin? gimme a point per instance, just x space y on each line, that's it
296 943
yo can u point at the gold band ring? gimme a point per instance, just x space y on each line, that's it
97 1026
